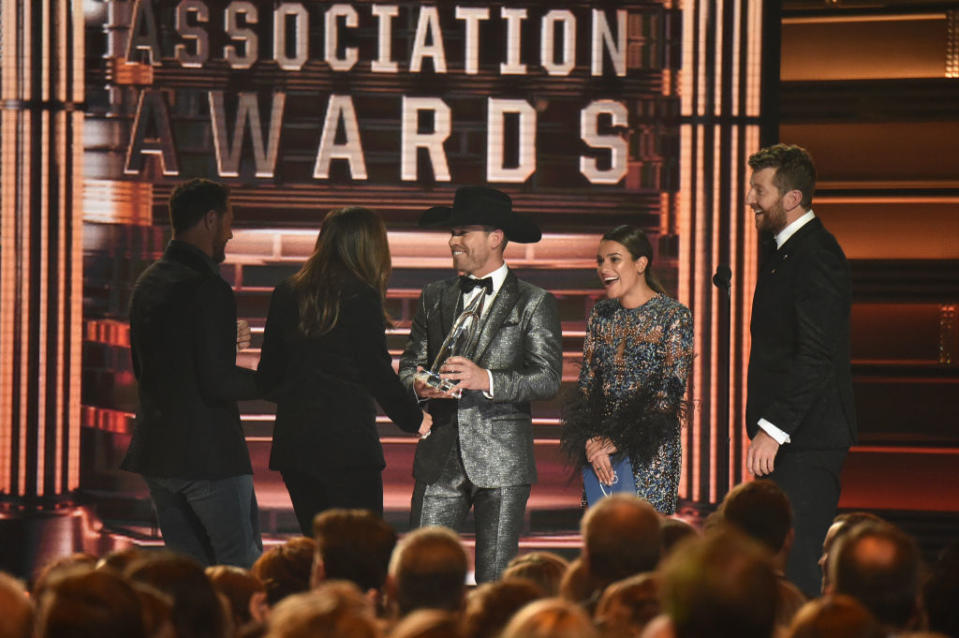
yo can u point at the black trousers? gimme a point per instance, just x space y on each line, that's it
351 488
810 478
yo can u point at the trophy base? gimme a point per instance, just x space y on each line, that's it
434 380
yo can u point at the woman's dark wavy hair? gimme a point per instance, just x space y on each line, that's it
352 245
638 245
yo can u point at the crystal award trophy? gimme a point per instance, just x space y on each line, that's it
458 342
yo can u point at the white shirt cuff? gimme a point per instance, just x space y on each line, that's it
489 395
780 436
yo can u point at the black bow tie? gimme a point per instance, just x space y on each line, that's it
468 283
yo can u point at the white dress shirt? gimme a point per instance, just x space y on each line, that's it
498 276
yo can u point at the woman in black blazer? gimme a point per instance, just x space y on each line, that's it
324 360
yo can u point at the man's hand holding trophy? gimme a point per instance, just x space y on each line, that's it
452 372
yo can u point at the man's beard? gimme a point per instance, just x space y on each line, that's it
773 219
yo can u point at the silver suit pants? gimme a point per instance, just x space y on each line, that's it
499 513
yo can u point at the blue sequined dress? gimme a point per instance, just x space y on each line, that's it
631 389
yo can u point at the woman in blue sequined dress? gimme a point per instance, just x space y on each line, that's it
636 357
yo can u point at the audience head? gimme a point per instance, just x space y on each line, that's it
546 569
120 559
621 538
575 586
627 606
428 570
490 606
841 525
157 612
760 509
70 564
16 609
285 569
550 618
834 617
353 545
244 592
878 565
89 604
721 585
428 623
340 611
197 609
674 531
941 591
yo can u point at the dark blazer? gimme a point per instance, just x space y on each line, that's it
324 386
799 368
183 345
520 343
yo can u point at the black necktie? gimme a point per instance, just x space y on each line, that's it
467 284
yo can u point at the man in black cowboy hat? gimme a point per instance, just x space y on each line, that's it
480 451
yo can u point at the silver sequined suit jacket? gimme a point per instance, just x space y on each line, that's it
520 343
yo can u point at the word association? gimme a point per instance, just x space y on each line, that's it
291 28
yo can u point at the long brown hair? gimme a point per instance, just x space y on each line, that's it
352 245
638 245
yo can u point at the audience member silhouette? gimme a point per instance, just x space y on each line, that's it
341 611
722 586
627 606
197 611
353 545
760 509
491 605
941 592
428 571
546 569
550 618
243 591
834 617
89 604
841 525
879 565
16 610
621 538
285 569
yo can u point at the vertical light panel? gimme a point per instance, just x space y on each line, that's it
40 248
9 73
722 58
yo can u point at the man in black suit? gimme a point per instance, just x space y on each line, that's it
187 442
800 413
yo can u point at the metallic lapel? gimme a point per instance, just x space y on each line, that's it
505 301
451 298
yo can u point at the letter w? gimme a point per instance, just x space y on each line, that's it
247 112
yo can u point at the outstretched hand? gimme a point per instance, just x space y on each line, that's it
426 391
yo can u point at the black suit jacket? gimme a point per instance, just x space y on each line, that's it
183 345
799 369
324 386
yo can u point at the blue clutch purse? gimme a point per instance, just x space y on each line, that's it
622 480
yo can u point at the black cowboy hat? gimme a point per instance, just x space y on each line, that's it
483 206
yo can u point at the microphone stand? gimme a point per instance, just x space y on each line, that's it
722 279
